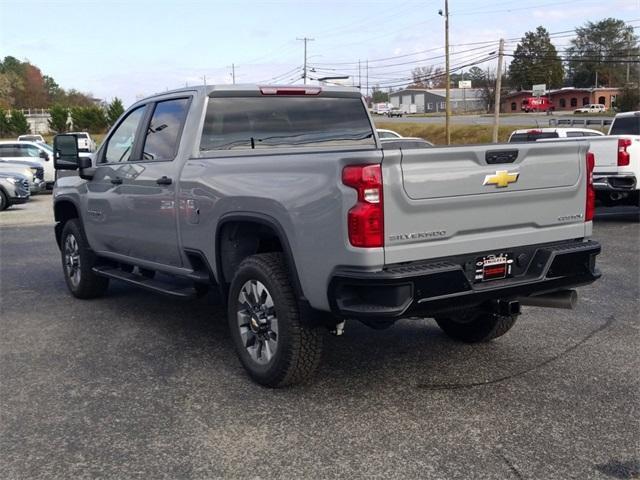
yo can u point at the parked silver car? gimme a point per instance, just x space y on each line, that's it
32 171
14 189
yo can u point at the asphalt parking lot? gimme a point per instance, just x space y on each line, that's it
136 385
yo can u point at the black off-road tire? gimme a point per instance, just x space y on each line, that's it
4 201
87 284
476 327
299 345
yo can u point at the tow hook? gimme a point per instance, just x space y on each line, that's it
339 329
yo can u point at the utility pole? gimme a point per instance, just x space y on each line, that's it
233 73
304 71
447 77
367 74
359 76
496 107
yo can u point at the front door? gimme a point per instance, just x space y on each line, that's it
131 206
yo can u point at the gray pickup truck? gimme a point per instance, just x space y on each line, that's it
285 200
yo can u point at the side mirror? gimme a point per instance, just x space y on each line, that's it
43 155
65 152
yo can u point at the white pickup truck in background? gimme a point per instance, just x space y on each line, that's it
617 156
617 168
85 142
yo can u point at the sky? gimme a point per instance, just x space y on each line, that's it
129 49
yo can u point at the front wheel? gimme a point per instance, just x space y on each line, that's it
4 201
475 326
275 345
78 261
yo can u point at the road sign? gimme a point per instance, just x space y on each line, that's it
539 90
464 84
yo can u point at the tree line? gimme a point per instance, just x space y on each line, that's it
23 86
92 118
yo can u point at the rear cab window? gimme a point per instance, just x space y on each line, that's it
268 122
531 136
626 126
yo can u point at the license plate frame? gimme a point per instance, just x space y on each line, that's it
495 266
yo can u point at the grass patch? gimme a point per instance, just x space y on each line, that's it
460 134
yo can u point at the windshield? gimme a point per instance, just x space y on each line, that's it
626 126
241 123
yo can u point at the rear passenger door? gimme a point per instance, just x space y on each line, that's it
149 185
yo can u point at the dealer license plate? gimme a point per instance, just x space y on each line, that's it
493 267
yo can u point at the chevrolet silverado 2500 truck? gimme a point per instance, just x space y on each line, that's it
285 200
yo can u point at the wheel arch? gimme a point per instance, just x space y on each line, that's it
267 225
63 211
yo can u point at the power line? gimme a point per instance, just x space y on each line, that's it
515 9
412 62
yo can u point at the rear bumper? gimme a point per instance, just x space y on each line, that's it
428 287
614 182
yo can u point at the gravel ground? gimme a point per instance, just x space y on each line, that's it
135 385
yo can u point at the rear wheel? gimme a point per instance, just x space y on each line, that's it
475 326
275 345
78 261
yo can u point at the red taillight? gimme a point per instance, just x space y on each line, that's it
366 219
590 206
623 155
290 90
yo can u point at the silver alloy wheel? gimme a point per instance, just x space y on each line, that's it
72 259
257 322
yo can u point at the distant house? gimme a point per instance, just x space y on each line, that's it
432 100
564 99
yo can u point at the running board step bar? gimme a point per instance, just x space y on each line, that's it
143 282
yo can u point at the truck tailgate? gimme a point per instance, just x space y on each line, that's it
605 150
455 200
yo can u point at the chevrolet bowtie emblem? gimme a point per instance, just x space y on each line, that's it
501 179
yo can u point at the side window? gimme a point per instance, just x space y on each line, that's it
25 151
120 144
163 133
8 151
575 134
32 151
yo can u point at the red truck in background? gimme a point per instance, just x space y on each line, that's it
537 104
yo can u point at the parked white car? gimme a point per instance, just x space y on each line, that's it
85 142
389 135
31 138
384 133
535 134
40 153
591 108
